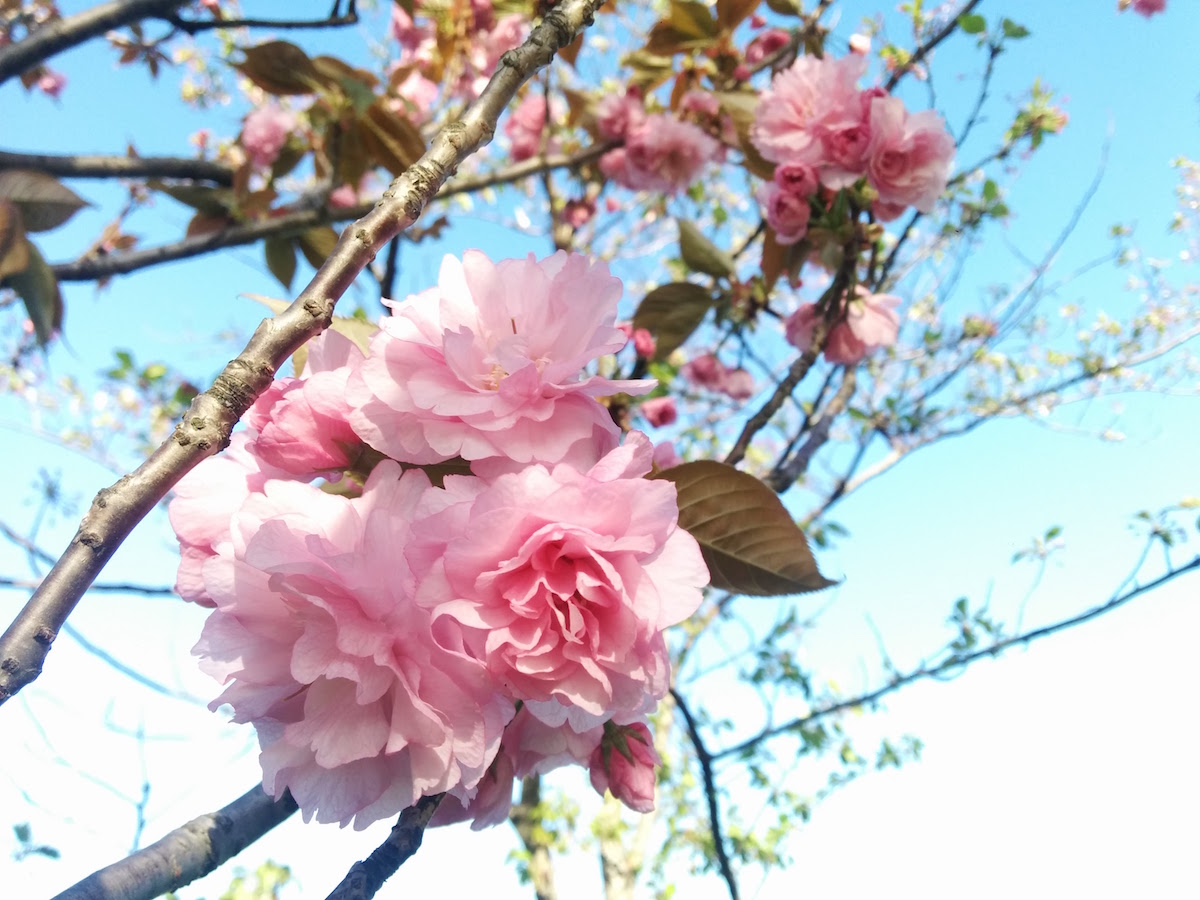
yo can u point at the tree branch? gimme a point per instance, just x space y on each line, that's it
207 424
525 818
93 267
710 794
365 878
88 166
188 852
927 47
56 37
960 661
333 20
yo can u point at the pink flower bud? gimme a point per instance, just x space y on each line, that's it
625 765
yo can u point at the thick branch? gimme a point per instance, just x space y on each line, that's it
84 166
187 853
365 878
93 267
207 425
958 662
56 37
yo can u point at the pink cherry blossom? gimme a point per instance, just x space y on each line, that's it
359 710
204 501
804 104
643 343
910 154
579 212
488 803
739 385
659 411
537 748
765 44
51 83
666 456
626 765
1148 8
786 212
303 423
525 126
871 323
797 178
416 96
705 371
488 365
616 114
561 582
661 154
265 131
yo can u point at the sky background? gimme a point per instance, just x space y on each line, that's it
1064 769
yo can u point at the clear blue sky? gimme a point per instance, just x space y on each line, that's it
1061 770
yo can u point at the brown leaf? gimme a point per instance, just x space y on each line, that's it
352 152
14 248
731 13
671 312
280 68
44 201
281 260
570 52
317 243
748 538
693 19
212 202
38 290
393 140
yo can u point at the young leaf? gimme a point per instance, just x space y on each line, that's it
671 312
38 290
701 254
45 202
748 538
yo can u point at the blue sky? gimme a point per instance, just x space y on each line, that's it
1061 769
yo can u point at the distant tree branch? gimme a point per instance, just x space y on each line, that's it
90 268
187 853
365 878
927 47
525 821
72 31
960 661
333 20
108 587
208 423
710 794
90 166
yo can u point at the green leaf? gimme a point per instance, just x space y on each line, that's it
38 290
693 19
748 538
1013 30
45 202
281 259
972 23
701 254
671 312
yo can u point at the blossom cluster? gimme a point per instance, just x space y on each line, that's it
820 128
436 566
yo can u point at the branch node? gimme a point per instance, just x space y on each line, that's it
9 665
44 636
91 540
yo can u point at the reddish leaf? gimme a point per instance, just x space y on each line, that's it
748 538
393 140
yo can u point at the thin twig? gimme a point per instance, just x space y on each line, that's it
92 166
710 793
960 661
927 47
92 267
195 26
